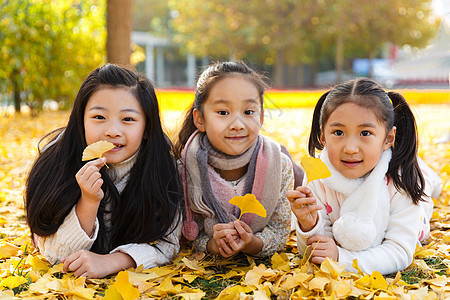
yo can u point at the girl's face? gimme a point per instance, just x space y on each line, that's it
115 115
355 140
232 115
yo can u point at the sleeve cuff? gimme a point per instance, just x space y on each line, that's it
318 229
69 239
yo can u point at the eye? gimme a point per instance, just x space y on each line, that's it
222 112
249 112
128 119
338 132
365 133
98 117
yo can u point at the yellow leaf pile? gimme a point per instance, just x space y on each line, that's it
286 275
96 150
249 204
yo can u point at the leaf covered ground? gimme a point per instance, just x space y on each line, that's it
24 273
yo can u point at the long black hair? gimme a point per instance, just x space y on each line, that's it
392 110
207 79
149 204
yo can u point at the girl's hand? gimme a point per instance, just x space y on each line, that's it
90 180
220 231
304 206
247 242
93 265
322 247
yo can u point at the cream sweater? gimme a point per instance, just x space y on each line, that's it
71 238
403 232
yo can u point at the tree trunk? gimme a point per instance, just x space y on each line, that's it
339 60
118 24
279 66
16 91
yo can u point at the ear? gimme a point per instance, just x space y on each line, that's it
322 139
390 138
198 120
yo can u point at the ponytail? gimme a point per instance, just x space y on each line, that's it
314 136
404 167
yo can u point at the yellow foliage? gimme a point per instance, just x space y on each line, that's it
286 275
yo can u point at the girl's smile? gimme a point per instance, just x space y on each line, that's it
351 164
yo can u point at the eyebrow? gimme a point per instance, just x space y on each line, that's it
220 101
123 110
337 124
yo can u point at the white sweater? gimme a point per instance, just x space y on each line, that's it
70 237
395 252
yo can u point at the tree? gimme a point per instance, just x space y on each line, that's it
370 24
47 50
119 28
221 29
287 32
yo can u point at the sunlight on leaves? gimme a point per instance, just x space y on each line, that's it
25 274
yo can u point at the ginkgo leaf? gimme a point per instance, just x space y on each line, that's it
249 204
315 168
124 287
96 150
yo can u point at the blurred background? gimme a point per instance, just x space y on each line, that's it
47 47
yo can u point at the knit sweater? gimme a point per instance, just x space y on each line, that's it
70 237
395 252
277 228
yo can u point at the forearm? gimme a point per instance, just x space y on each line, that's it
87 212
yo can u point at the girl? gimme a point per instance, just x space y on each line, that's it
96 220
374 207
223 155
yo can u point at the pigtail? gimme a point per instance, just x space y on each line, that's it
187 129
404 168
314 136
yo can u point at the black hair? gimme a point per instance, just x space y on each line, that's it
392 110
207 79
150 203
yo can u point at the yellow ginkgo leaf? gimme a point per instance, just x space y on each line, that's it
96 150
378 282
315 168
249 204
124 287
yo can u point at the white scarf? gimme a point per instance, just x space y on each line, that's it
364 215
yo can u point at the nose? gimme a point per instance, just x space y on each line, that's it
237 124
113 130
351 146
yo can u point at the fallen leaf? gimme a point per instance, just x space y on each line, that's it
249 204
96 150
124 287
378 282
12 282
315 168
